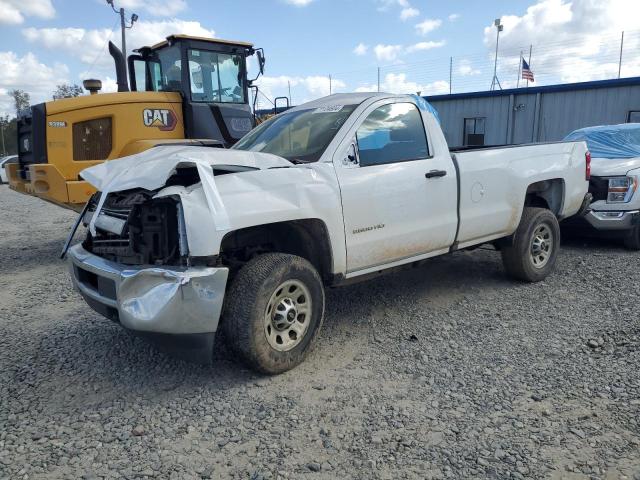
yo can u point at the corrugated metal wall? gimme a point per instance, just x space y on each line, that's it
517 118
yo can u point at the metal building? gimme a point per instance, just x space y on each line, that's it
536 114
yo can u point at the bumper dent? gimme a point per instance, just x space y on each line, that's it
150 299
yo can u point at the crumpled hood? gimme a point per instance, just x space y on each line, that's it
608 167
151 169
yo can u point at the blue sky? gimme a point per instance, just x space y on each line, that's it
45 42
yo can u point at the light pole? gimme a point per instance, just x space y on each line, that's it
494 80
123 26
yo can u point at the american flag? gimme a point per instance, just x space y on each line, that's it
527 74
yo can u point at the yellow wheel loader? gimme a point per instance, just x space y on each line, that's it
185 90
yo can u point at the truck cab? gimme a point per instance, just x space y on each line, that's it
184 90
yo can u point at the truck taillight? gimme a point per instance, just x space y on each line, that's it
587 171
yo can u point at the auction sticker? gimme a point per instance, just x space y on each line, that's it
328 109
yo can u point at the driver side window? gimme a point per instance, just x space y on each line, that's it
392 133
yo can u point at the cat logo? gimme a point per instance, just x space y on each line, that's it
165 120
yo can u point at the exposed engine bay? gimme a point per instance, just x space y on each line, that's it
135 229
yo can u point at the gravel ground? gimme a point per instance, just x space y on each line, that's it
445 371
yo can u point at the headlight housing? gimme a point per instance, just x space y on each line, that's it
621 189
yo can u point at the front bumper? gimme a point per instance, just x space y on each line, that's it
159 300
613 220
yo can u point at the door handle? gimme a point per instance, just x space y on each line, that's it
435 173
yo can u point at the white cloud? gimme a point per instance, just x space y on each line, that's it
28 74
12 12
299 3
158 8
319 85
89 46
398 83
303 88
585 36
390 53
109 85
428 25
361 49
385 5
387 53
465 69
148 33
409 12
453 17
420 46
81 43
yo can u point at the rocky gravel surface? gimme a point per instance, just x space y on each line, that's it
449 370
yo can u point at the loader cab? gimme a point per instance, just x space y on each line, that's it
211 76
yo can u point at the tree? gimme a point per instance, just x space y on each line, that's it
21 99
66 90
9 134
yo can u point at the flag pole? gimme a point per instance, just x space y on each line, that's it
519 67
530 48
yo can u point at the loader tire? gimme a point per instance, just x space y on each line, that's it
533 253
273 312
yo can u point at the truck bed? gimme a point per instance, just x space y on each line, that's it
494 182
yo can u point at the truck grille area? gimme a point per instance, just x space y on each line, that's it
599 188
150 232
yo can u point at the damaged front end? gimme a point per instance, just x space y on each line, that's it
133 228
151 257
135 269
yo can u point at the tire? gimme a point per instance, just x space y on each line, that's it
269 321
532 256
632 240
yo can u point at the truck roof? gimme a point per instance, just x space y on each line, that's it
344 99
360 97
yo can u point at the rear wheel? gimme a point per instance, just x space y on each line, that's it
632 240
532 256
274 310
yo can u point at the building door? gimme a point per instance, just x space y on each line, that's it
474 131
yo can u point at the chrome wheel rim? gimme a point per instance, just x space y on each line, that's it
288 315
541 246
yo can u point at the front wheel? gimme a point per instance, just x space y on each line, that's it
273 312
632 240
532 256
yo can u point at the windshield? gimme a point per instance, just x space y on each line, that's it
216 77
213 77
300 136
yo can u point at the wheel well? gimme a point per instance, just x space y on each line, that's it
306 238
547 194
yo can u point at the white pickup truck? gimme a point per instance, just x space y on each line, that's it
182 240
615 175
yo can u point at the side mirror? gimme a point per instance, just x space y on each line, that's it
351 158
261 60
